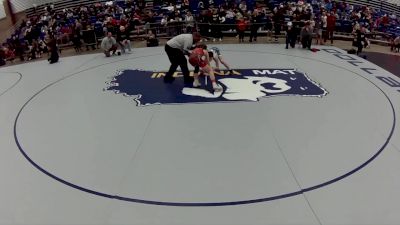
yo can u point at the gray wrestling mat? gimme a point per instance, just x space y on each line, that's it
296 137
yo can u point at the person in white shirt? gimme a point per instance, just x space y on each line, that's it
396 44
176 49
109 44
243 6
324 23
230 14
189 22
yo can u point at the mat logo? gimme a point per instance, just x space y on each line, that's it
148 88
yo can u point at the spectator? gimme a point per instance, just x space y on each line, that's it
204 23
243 7
238 15
324 23
42 48
318 31
359 40
76 39
254 26
9 54
216 26
52 45
109 44
306 35
152 40
396 44
176 23
189 20
393 16
164 24
269 26
331 23
278 19
123 39
241 28
65 33
109 17
385 20
392 45
222 20
19 48
2 57
185 5
291 35
297 26
89 37
33 50
230 19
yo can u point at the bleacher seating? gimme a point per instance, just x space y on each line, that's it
60 5
344 25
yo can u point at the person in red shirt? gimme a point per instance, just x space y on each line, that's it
241 28
123 22
385 20
200 59
331 23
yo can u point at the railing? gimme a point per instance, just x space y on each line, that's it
208 30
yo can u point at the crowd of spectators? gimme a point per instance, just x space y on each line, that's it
328 16
86 25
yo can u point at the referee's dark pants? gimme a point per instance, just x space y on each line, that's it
177 58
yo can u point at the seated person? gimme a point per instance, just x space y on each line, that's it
109 44
151 39
8 54
123 39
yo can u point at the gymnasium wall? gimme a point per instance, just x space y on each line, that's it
2 11
22 5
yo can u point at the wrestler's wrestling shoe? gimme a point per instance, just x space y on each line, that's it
196 83
216 87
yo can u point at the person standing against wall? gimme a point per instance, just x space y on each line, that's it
277 18
330 26
52 45
324 22
241 28
216 26
306 35
254 25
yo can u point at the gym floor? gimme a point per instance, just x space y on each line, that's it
296 137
